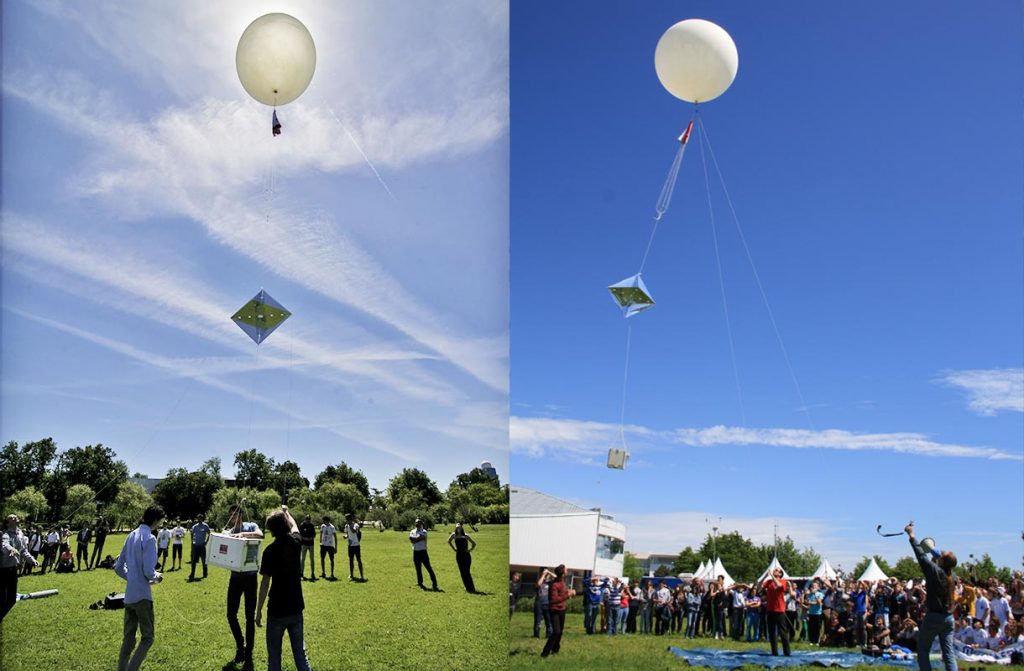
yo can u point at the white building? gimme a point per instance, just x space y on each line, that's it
547 531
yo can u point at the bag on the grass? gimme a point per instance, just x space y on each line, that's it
112 601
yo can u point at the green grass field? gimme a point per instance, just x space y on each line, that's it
384 623
580 652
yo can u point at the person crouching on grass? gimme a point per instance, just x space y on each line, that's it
282 579
242 583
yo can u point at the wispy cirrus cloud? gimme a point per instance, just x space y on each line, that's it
989 390
585 441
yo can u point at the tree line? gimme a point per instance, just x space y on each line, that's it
78 484
746 560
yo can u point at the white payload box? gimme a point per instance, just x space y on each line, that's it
234 553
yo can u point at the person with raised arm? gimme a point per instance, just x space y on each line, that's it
939 597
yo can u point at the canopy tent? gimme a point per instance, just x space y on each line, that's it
699 573
771 567
712 571
872 572
824 571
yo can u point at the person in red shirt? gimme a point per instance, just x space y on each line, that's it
776 589
558 597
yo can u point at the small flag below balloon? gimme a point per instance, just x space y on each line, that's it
275 125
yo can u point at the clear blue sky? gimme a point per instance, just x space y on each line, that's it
137 220
873 155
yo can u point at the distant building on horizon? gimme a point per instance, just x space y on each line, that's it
548 531
487 468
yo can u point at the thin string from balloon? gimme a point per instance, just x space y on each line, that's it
159 428
757 278
625 379
721 282
667 189
362 153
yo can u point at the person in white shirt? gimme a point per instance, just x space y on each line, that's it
354 534
981 608
177 544
13 553
420 558
1000 607
163 542
328 546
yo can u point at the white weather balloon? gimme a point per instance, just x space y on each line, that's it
696 60
275 59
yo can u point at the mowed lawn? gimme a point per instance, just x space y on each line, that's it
580 652
385 623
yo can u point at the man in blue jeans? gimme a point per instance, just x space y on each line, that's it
137 565
242 584
939 593
282 580
200 538
541 609
592 604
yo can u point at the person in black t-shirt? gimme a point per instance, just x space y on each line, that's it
307 536
82 551
282 580
100 530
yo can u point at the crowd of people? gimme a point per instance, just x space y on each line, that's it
156 547
842 613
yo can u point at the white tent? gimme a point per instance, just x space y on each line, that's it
771 567
699 573
824 571
717 569
872 572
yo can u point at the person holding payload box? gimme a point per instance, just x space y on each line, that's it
242 583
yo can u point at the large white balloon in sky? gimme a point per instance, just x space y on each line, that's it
696 60
275 59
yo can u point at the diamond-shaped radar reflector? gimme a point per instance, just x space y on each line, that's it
631 295
260 316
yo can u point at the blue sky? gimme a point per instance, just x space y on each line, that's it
872 154
145 201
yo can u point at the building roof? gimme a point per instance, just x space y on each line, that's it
525 501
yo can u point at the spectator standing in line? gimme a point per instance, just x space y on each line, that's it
99 532
420 557
82 548
612 601
307 537
163 543
463 545
354 535
200 539
50 549
738 595
136 564
541 611
35 545
813 599
591 606
282 580
13 553
859 597
558 597
242 584
663 610
328 546
752 608
177 544
775 589
693 601
514 585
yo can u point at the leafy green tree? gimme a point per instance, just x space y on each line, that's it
631 568
96 466
340 498
985 568
793 560
688 561
28 504
739 555
475 476
906 568
128 506
254 470
863 564
344 474
288 476
183 495
79 505
413 489
663 571
258 504
25 466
